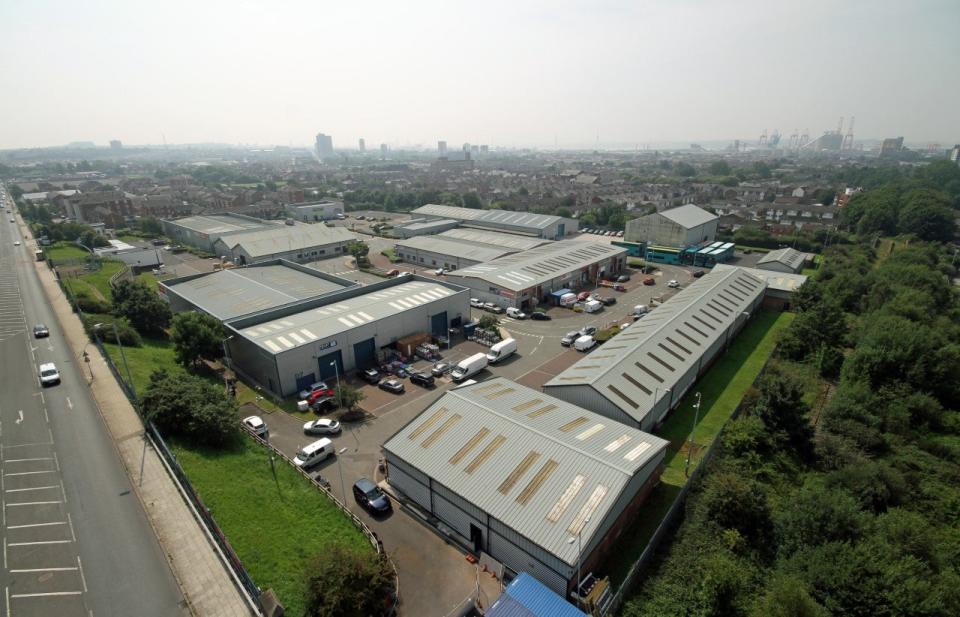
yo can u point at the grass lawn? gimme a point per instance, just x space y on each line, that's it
721 388
275 523
152 355
65 250
129 239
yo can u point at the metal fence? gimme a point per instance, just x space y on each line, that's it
674 514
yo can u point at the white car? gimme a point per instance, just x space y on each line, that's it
16 243
439 271
256 425
476 303
305 393
321 426
673 284
584 343
49 375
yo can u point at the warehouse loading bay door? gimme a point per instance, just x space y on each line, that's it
365 354
327 371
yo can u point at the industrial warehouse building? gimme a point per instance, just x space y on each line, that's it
638 376
778 294
228 294
784 260
202 231
287 348
299 243
544 226
460 248
516 474
527 279
423 227
315 211
675 228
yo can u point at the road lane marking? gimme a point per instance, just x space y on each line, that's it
49 593
62 569
28 473
69 404
83 579
19 416
21 460
37 525
31 503
32 488
42 542
24 445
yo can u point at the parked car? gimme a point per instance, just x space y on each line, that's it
673 284
619 287
421 379
624 326
323 403
584 343
516 313
623 278
583 296
313 453
476 303
539 316
698 274
49 375
619 234
569 338
16 243
370 497
256 425
370 375
493 308
321 426
747 251
391 385
608 300
588 331
306 392
317 395
649 281
40 331
440 271
441 368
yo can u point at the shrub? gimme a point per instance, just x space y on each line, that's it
125 332
191 408
348 582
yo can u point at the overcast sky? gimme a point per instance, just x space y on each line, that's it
513 73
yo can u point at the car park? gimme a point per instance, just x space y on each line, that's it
539 316
649 281
321 426
49 375
369 496
370 375
391 385
584 343
476 303
698 274
40 331
256 425
421 379
441 368
673 284
313 453
317 385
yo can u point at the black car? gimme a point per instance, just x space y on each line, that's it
369 495
608 300
698 274
421 379
537 316
391 385
40 331
370 375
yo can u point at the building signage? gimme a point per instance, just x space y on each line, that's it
327 345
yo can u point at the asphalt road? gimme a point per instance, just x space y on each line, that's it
76 540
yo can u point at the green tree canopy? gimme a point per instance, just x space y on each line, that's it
196 336
142 307
192 408
348 582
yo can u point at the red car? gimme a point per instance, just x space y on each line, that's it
316 395
393 272
583 296
649 281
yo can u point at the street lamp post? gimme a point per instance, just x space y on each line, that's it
123 356
696 418
336 371
343 491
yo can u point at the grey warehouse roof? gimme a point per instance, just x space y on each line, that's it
537 266
641 363
283 333
450 246
215 224
539 465
495 238
789 257
688 216
429 224
240 291
503 217
776 281
286 238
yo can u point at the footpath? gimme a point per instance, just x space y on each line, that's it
207 585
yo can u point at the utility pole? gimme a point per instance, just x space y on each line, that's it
696 418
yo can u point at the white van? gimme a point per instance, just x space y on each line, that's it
641 309
516 313
312 454
592 306
584 343
568 299
501 350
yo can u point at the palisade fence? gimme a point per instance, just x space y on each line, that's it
674 515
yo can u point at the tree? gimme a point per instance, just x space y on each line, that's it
928 215
347 396
472 200
143 307
196 336
736 503
685 169
719 168
348 582
818 515
782 409
787 596
762 169
151 226
189 407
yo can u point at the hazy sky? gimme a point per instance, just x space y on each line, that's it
505 73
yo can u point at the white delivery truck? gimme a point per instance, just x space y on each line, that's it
469 367
592 306
641 309
501 350
516 313
568 300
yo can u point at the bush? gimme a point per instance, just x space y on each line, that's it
348 582
488 322
189 407
83 300
127 335
147 312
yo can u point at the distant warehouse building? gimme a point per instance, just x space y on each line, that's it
299 243
459 248
637 376
784 260
677 228
538 225
528 278
203 231
778 294
228 294
516 474
287 348
422 227
314 212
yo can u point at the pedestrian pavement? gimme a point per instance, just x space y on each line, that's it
206 583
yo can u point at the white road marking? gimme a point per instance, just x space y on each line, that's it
43 542
49 593
83 579
23 460
69 404
63 569
32 503
28 473
37 525
19 416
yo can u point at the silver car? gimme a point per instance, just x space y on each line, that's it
321 426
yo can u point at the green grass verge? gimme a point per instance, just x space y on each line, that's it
152 355
721 389
65 250
275 522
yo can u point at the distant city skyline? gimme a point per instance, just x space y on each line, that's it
530 74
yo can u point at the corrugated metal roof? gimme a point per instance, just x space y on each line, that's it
525 596
240 291
429 224
495 238
213 224
320 322
789 257
501 217
286 238
776 281
641 363
451 246
689 216
540 465
539 265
